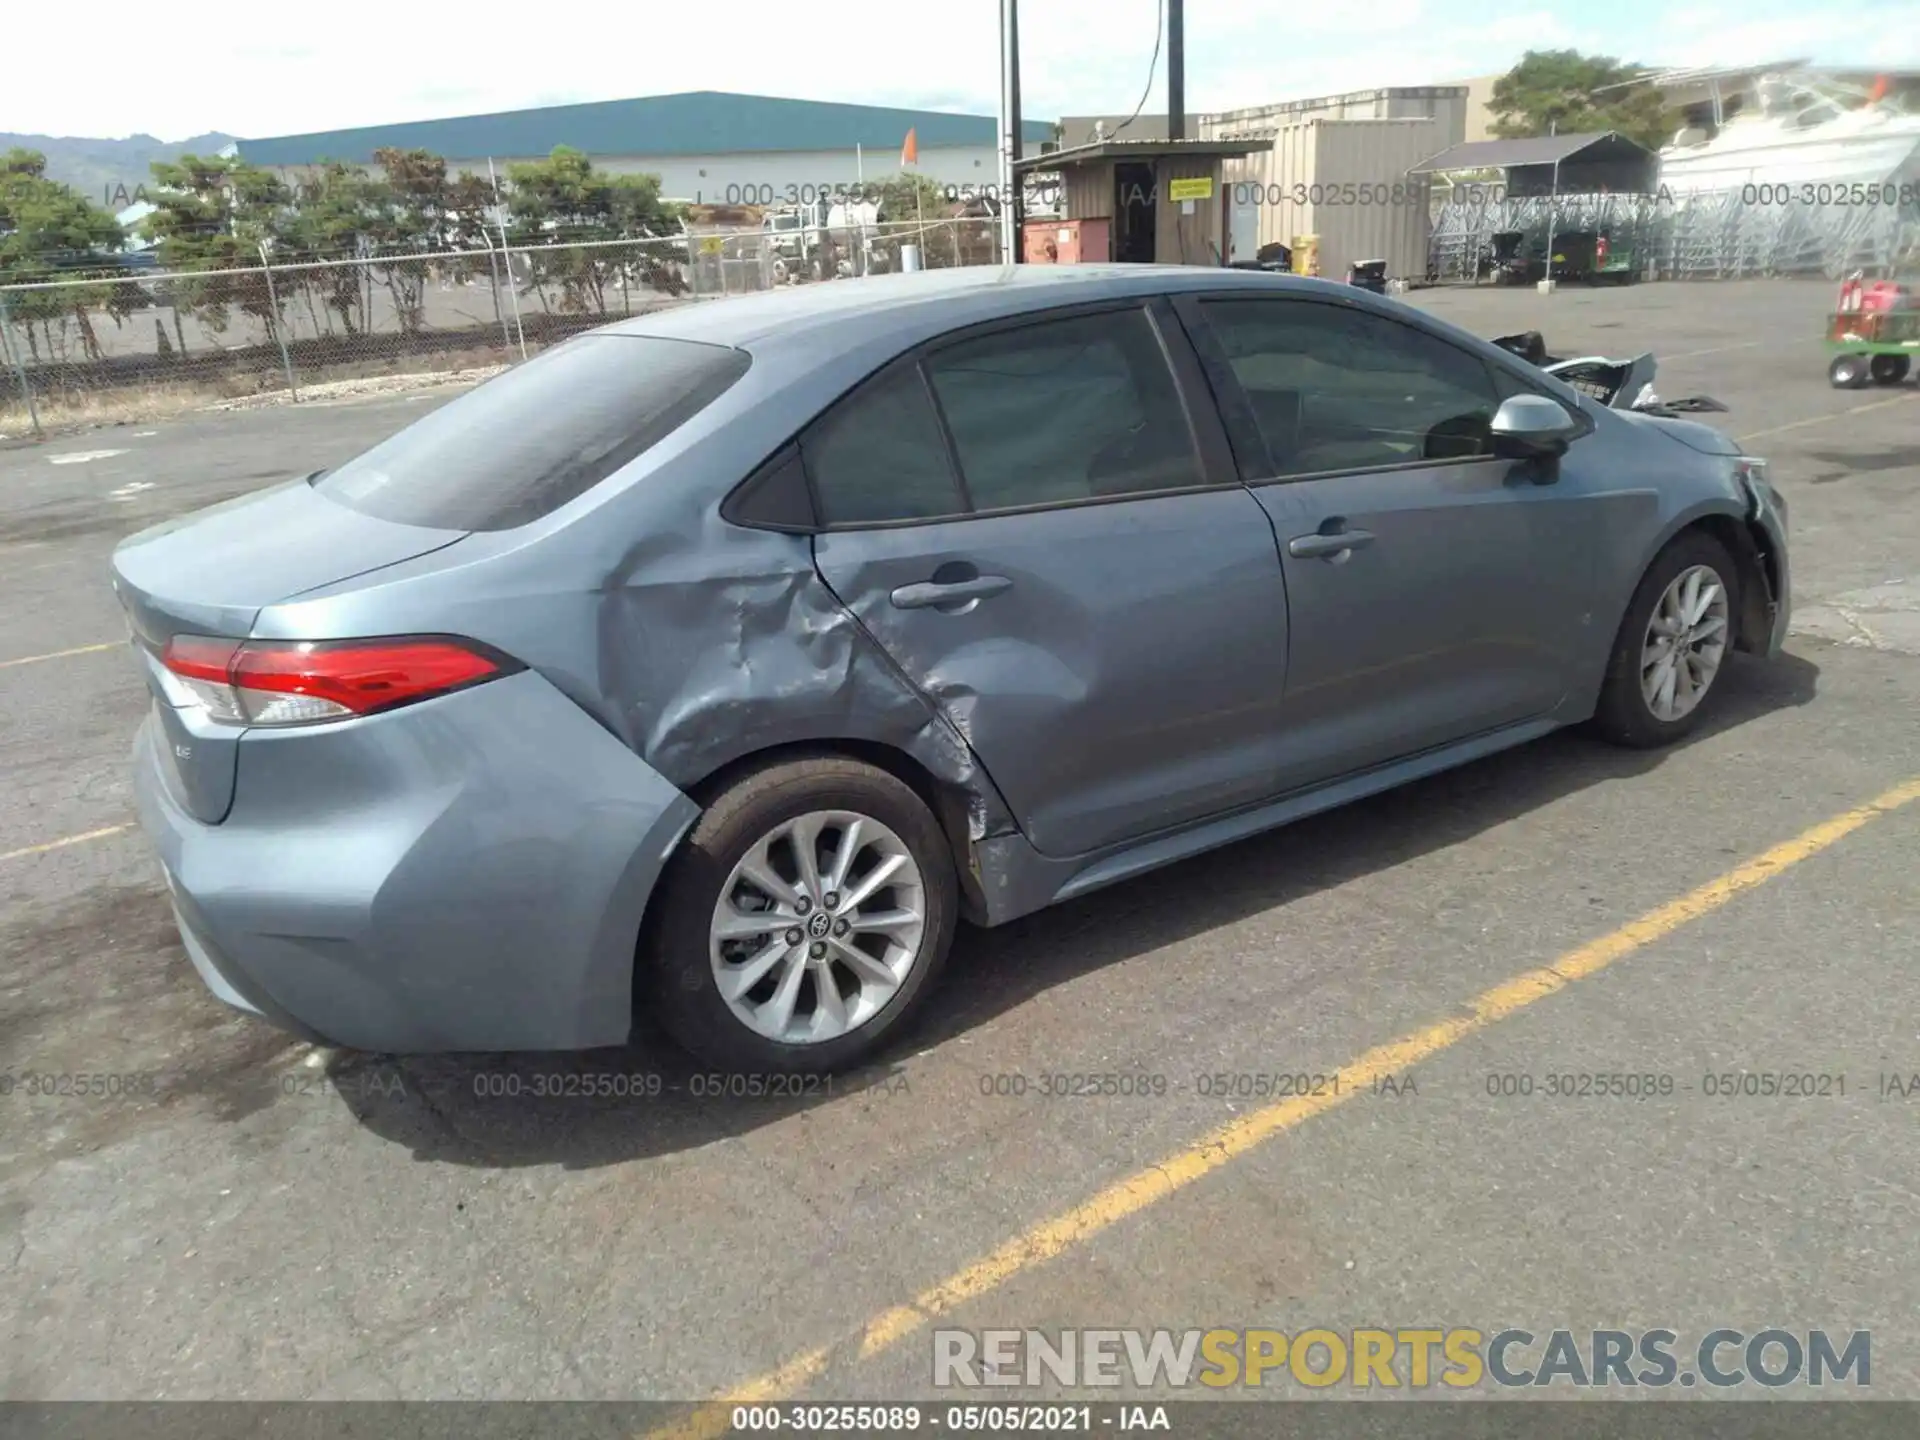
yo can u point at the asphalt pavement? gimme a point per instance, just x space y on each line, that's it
244 1217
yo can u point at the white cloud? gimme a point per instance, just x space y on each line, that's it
362 62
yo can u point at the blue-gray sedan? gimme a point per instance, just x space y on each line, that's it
720 661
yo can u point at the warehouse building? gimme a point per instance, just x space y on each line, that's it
1446 105
707 146
1479 107
1078 130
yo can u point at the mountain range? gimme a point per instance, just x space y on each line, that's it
99 169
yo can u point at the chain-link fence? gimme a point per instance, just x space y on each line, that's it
94 343
1695 237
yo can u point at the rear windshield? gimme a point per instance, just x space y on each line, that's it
528 441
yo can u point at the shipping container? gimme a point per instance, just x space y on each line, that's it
1344 181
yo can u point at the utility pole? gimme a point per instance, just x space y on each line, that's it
1016 129
1009 128
1176 71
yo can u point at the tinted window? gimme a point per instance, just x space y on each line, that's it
1339 389
879 456
537 436
1064 410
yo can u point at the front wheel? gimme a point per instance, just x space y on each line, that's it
1672 645
1848 372
803 919
1888 369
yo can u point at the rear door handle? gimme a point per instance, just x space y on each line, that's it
1327 547
954 593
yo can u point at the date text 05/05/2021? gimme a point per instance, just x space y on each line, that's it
910 1418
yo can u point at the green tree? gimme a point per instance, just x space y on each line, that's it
1567 93
562 201
468 231
414 221
333 207
49 232
397 228
909 196
212 215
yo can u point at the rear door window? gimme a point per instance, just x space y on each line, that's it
1063 411
879 457
543 433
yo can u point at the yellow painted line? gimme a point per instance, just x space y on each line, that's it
62 844
60 654
1823 419
1052 1238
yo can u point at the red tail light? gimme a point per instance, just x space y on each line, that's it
276 682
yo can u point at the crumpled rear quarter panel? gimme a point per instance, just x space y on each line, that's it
464 874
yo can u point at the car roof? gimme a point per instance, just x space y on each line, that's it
909 308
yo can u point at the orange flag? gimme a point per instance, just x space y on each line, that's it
1879 91
910 152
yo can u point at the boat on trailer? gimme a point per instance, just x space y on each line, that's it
1805 137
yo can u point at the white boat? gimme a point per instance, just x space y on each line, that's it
1808 139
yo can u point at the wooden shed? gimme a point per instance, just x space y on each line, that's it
1164 201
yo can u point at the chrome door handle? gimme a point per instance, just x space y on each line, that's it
1326 547
953 592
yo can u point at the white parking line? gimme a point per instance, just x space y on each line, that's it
1823 419
81 457
1716 350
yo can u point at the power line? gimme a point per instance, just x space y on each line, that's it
1153 65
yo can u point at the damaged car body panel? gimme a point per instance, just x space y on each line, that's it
710 642
1105 710
1750 520
1082 665
855 674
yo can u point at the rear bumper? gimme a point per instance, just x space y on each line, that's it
465 874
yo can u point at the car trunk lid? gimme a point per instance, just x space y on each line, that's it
211 573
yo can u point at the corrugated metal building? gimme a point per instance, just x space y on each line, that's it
706 146
1345 182
1448 104
1086 129
1479 113
1366 140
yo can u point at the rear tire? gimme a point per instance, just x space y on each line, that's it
1888 369
1639 706
815 1006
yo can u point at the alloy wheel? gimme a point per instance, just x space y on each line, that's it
818 926
1685 643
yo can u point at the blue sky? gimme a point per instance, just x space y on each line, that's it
283 69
